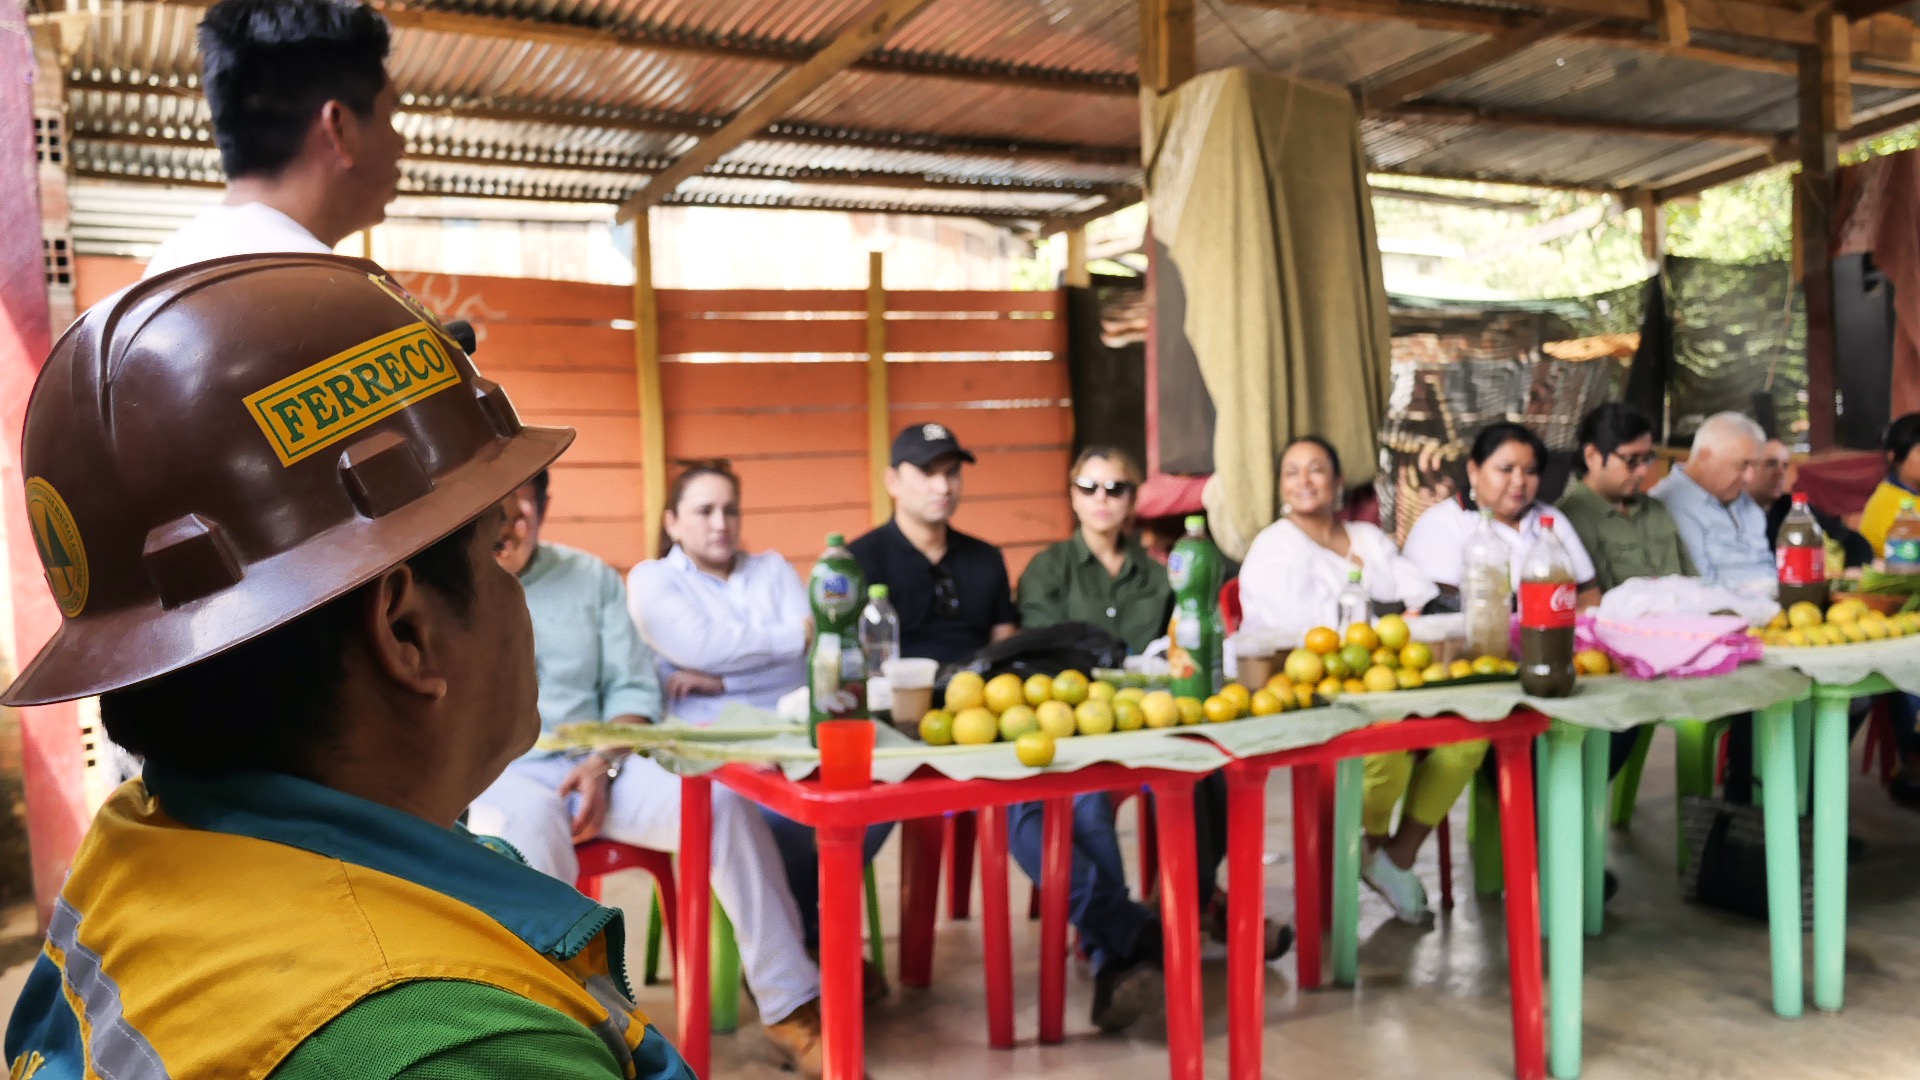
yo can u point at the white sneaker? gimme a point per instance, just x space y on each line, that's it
1400 888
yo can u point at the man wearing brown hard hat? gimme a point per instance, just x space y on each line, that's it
266 492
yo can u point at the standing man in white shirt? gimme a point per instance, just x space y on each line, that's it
303 114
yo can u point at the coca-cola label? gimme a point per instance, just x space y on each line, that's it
1801 565
1547 605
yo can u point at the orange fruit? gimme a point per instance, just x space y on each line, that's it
1266 703
1330 688
1322 640
1238 696
1363 635
1303 696
1219 710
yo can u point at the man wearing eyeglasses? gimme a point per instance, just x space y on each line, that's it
950 589
1628 533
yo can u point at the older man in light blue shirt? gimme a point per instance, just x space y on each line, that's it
593 666
1724 530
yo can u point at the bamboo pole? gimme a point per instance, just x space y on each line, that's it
879 423
646 356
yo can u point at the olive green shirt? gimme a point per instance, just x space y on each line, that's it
1641 541
1066 583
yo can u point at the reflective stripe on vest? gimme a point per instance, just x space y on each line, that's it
115 1050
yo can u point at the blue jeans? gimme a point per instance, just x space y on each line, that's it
802 859
1099 906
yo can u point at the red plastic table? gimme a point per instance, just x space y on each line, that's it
1246 892
840 820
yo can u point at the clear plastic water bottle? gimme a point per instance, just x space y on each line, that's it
1486 591
879 643
1355 606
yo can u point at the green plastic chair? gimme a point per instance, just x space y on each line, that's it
1695 761
723 955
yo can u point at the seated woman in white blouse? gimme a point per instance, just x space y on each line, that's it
1290 583
1503 476
731 627
726 626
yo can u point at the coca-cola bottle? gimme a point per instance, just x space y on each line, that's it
1800 556
1547 594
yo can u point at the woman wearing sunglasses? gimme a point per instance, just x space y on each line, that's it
1104 577
1101 575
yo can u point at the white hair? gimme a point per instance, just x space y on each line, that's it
1717 429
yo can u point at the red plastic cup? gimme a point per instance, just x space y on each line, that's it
846 753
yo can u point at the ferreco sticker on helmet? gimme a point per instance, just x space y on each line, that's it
406 300
57 539
316 408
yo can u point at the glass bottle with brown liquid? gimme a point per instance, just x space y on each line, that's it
1547 596
1800 556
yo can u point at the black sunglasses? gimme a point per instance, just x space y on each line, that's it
945 596
1115 489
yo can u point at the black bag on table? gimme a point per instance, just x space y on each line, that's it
1049 650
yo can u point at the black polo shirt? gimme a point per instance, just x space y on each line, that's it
939 621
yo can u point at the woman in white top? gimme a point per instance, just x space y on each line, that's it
1291 582
731 627
1295 570
1503 476
726 626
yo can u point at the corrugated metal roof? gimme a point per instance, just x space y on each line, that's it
523 112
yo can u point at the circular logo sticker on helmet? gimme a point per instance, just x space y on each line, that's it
57 539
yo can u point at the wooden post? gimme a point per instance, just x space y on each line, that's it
1825 113
1166 44
1077 275
1653 228
646 357
879 420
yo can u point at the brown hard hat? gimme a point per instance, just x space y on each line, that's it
219 450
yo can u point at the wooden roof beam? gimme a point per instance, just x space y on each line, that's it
749 50
1638 34
1859 130
875 23
1468 116
1385 95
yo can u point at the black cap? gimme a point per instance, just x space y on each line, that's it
923 444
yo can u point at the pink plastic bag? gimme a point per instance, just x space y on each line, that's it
1671 646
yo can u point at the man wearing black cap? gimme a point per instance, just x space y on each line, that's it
950 589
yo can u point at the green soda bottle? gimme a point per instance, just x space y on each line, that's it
837 669
1193 569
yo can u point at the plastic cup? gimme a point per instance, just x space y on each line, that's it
846 753
1255 671
911 679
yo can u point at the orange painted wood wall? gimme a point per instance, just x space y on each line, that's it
774 381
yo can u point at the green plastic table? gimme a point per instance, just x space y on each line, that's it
1572 812
1839 674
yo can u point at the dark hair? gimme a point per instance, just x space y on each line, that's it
689 472
1608 428
539 484
1903 435
1325 446
1120 458
1494 436
268 66
270 704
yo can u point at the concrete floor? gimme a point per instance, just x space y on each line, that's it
1672 990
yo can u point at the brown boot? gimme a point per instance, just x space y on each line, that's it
798 1039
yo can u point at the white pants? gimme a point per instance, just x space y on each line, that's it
524 808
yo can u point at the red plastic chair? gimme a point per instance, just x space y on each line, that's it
1880 743
1230 604
598 858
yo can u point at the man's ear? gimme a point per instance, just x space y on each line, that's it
339 132
401 628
